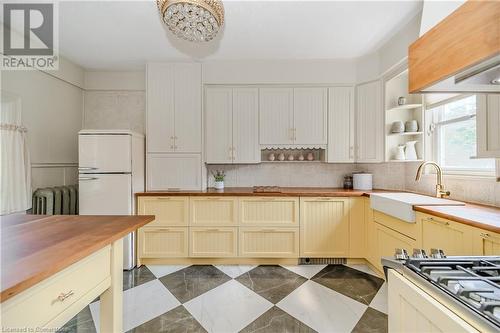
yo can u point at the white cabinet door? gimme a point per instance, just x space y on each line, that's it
160 108
488 125
276 116
309 116
187 105
340 125
370 117
246 125
219 125
104 153
174 171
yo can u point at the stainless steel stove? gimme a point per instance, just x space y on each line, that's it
470 285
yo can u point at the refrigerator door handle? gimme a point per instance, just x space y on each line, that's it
88 178
86 168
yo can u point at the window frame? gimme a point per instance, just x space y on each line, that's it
435 138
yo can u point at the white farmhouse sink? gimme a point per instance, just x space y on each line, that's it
400 205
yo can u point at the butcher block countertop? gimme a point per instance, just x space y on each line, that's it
35 247
284 192
483 217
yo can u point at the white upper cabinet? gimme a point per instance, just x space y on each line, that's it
369 120
232 125
310 115
173 108
293 116
246 125
488 125
276 116
340 125
187 101
219 125
160 108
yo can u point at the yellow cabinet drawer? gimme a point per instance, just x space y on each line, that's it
168 211
408 229
213 242
486 243
269 211
211 211
258 242
388 241
454 238
162 242
42 303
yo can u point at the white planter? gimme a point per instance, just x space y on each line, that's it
219 185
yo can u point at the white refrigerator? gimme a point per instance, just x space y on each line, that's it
110 171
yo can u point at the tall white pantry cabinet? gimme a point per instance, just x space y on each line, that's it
174 126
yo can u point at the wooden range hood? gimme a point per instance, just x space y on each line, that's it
467 39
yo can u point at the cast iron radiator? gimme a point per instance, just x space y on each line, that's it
58 200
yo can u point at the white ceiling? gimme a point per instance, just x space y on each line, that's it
124 35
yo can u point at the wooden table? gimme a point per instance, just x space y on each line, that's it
54 266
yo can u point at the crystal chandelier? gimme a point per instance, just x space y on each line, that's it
193 20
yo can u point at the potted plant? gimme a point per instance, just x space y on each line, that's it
219 179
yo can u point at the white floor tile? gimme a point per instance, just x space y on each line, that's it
307 271
228 308
364 268
141 304
162 270
235 270
322 309
379 302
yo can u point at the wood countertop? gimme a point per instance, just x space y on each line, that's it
483 217
35 247
284 192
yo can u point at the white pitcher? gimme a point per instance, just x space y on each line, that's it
410 151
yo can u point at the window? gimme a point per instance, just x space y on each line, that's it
453 131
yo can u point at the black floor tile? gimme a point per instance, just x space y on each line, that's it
372 321
178 320
271 282
81 323
276 320
136 277
193 281
350 282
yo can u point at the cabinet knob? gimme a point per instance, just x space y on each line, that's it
62 297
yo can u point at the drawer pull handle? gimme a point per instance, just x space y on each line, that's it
212 230
430 219
269 230
62 297
164 198
488 236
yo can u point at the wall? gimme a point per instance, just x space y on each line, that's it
52 111
114 100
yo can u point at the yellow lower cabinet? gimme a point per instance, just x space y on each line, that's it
213 211
388 241
256 242
324 227
269 211
454 238
357 228
486 243
162 242
411 230
168 211
213 242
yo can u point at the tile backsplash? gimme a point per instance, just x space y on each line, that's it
315 174
391 176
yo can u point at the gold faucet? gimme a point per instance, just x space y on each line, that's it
440 191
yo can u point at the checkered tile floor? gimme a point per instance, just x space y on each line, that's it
308 298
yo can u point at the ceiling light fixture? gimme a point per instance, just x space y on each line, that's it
194 20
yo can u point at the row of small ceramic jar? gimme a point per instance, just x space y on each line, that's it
290 157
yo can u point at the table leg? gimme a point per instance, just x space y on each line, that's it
111 316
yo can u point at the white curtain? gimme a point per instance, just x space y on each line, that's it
15 168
